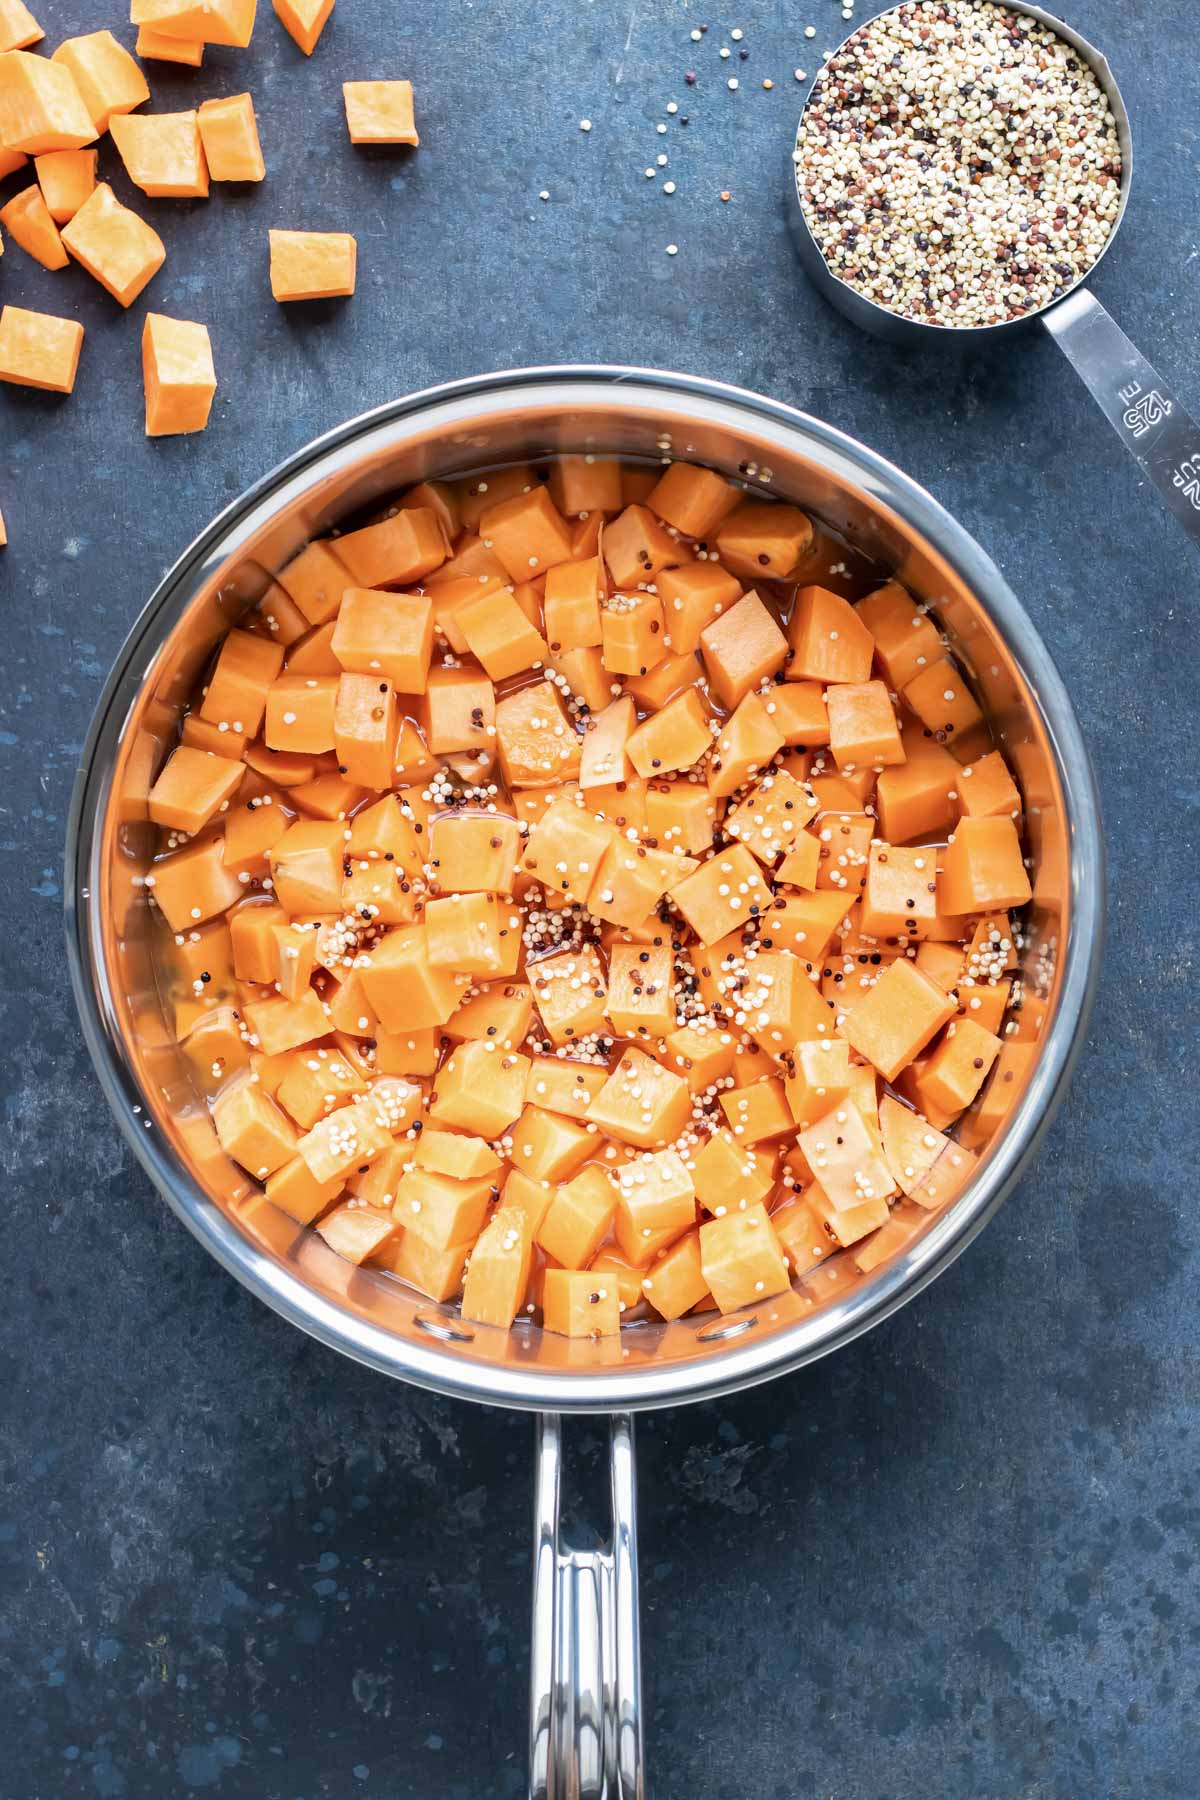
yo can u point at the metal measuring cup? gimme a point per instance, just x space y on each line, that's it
1133 397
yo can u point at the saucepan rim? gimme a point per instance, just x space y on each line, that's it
741 1361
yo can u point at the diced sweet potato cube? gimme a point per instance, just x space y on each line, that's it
251 931
569 992
41 107
252 1129
959 1065
437 1273
66 178
571 604
744 748
414 761
404 986
849 1224
802 1236
782 1003
390 635
162 153
918 799
675 737
194 884
910 1145
11 161
117 249
380 112
294 1191
316 579
354 1134
800 713
228 22
636 547
328 795
215 1047
37 350
18 27
586 484
703 1056
829 640
561 1086
862 725
682 815
742 649
317 1082
405 546
981 869
758 1112
406 1052
764 541
501 1012
462 1158
303 20
312 265
156 44
548 1146
750 1063
441 1209
499 635
192 788
631 880
805 924
306 866
475 852
669 677
586 677
845 840
300 713
603 758
463 932
693 596
818 1079
741 1259
899 896
364 729
229 134
772 815
178 374
357 1231
641 991
725 892
843 1155
616 1268
641 1103
898 1017
278 1024
655 1199
943 702
296 949
480 1088
536 740
28 219
527 533
676 1282
631 632
578 1303
576 1221
986 788
906 640
498 1272
693 500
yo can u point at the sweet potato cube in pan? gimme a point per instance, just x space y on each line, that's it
906 640
845 840
758 1112
498 1272
442 1209
919 799
364 729
357 1231
312 265
943 702
631 630
278 1024
66 178
252 1129
474 852
192 788
693 596
405 546
845 1225
764 541
641 991
559 1085
862 725
193 884
641 1103
110 82
380 112
578 1303
317 1082
316 579
115 246
462 1158
741 1259
462 932
897 1018
959 1064
295 947
845 1158
982 868
499 635
655 1197
300 713
742 649
38 350
389 635
986 788
744 748
336 1144
41 107
537 742
676 1282
294 1191
548 1147
899 896
436 1273
782 1003
726 892
178 375
480 1088
28 220
577 1219
802 1236
586 484
229 135
702 1055
829 640
527 533
18 27
571 604
404 986
631 880
693 500
636 547
675 737
818 1079
682 815
306 866
569 992
772 815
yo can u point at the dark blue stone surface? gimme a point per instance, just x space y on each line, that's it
958 1559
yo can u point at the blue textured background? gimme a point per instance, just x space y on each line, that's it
958 1559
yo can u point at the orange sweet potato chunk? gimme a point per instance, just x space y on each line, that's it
380 112
18 27
229 134
41 107
312 265
303 20
228 22
156 44
114 245
10 162
180 381
162 153
829 641
28 218
38 350
897 1018
981 869
107 77
66 178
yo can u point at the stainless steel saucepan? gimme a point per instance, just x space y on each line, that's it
1139 405
586 1726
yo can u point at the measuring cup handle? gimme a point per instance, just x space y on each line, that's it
1135 400
585 1700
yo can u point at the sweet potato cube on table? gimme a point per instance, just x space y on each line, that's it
191 789
641 991
38 350
632 634
480 1089
578 1303
28 219
818 1079
725 892
380 112
18 27
352 1135
228 22
845 1225
986 788
66 178
109 80
527 533
758 1112
844 1157
636 547
117 248
982 869
675 737
764 541
744 748
906 640
357 1231
312 265
178 373
441 1209
569 992
156 44
676 1281
958 1067
742 649
294 1191
498 1272
462 932
741 1259
655 1200
862 725
693 596
162 153
899 895
641 1103
537 742
828 639
772 815
561 1086
897 1018
499 635
693 500
943 702
252 1129
919 798
389 635
548 1147
475 852
41 107
682 815
303 20
578 1217
229 135
571 604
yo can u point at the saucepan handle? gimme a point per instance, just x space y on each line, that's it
585 1732
1135 400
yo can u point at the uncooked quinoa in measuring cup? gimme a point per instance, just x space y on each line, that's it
958 163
